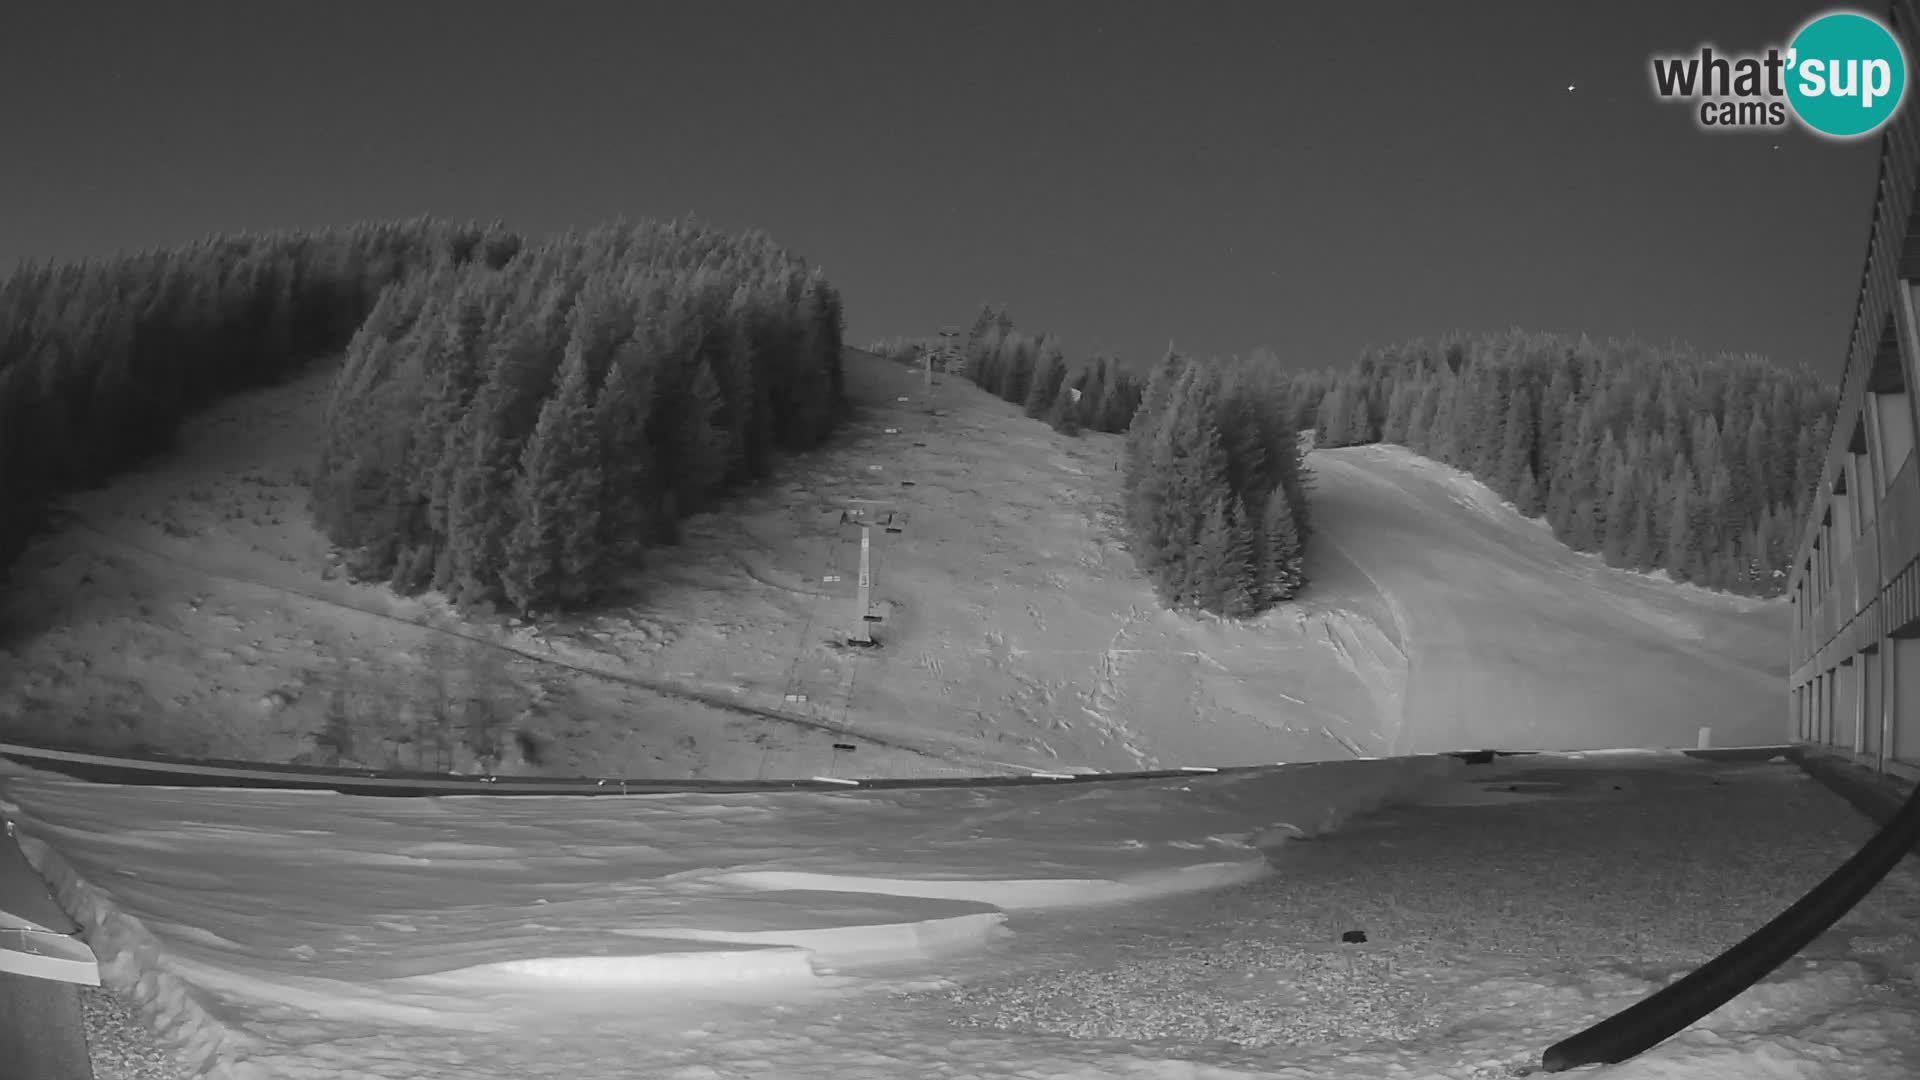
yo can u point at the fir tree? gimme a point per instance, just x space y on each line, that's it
1359 426
1093 387
1222 576
1420 421
1642 543
1049 375
630 487
1064 415
1399 418
1526 496
553 556
1019 375
1332 418
1516 448
1282 570
1682 551
1619 518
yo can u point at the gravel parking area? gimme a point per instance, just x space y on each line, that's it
1475 918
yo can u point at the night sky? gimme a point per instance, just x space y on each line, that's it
1309 177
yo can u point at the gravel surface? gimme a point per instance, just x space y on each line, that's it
121 1046
1472 915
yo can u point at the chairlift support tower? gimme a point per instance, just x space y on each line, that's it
865 513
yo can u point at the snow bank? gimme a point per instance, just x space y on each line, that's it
241 920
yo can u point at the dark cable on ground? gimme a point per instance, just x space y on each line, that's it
1659 1016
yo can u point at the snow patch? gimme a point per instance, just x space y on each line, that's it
850 946
1018 894
645 970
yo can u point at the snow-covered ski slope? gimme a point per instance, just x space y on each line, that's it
191 608
1515 641
968 932
305 934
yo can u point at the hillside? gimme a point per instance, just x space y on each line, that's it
1516 641
190 607
1654 458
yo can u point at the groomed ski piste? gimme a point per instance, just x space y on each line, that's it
1187 926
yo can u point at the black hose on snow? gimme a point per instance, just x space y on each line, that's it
1660 1015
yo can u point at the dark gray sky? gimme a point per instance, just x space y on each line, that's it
1225 173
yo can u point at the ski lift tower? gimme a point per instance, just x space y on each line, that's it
866 513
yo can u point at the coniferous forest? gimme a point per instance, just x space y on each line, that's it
518 436
512 424
1657 459
100 360
1033 373
1216 491
1216 486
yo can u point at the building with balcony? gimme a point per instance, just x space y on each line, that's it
1854 583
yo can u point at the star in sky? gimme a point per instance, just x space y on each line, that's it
1569 88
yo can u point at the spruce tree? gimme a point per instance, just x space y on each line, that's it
1399 414
1019 375
1250 468
1619 518
1222 578
1064 415
1093 387
984 363
1282 569
1642 543
552 556
1158 513
1443 436
1331 419
1209 572
630 485
986 319
1516 448
1240 596
701 454
1420 419
1526 496
1494 396
1359 426
1049 375
455 376
1681 552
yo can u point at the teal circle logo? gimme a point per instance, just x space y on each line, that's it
1846 74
